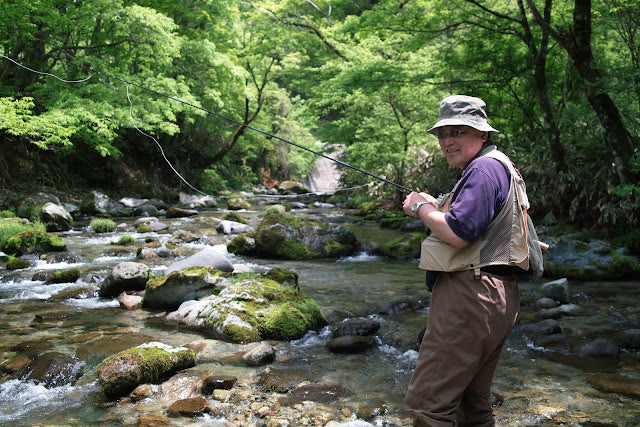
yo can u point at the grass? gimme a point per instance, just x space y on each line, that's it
9 228
102 225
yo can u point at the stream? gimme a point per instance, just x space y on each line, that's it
535 390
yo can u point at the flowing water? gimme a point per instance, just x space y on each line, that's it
535 389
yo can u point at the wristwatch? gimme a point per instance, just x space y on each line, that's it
416 207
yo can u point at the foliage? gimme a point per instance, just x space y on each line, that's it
102 225
361 78
10 228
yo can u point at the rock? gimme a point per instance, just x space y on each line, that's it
237 203
130 301
615 383
323 393
157 226
29 207
33 242
629 339
350 344
252 309
369 412
191 407
541 329
197 201
191 283
126 276
99 203
15 365
153 420
55 217
562 310
211 256
218 382
183 236
143 391
360 326
544 303
600 347
54 369
295 187
557 290
232 227
283 236
175 212
185 384
146 363
61 276
259 355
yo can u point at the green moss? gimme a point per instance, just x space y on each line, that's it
144 228
33 241
232 216
335 249
242 244
290 320
7 214
127 239
17 263
156 282
407 246
284 277
275 209
102 225
295 250
65 276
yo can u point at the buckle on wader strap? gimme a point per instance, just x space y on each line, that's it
476 273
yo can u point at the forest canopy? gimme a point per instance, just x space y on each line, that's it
80 80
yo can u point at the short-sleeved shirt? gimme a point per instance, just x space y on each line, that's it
480 195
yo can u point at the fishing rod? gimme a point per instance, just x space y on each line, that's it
229 119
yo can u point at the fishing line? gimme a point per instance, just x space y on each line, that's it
229 119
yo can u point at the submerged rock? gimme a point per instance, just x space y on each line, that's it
147 363
54 369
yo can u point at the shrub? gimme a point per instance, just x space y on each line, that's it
7 214
102 225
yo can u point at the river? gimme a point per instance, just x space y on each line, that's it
535 389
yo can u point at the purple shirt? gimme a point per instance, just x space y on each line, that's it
481 193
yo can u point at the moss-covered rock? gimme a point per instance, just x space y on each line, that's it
289 237
242 244
191 283
63 276
253 308
147 363
404 247
34 242
17 263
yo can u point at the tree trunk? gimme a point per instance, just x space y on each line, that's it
577 42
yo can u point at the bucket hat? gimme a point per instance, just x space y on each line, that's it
463 110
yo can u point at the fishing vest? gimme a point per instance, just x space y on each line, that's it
510 225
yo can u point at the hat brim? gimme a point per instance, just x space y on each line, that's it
483 127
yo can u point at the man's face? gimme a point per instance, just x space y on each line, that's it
460 144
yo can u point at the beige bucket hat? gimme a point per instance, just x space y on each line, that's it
463 110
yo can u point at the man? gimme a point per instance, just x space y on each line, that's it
478 242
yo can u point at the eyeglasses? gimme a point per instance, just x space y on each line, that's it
453 133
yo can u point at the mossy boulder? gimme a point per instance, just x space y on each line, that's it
147 363
17 263
34 242
191 283
253 308
404 247
289 237
55 217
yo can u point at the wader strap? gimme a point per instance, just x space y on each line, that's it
476 273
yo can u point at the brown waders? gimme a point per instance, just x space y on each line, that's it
469 320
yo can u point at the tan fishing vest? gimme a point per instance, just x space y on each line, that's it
510 225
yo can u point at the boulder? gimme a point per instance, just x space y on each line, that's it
33 242
288 237
211 256
54 369
147 363
232 227
100 204
30 207
252 309
126 276
293 187
190 283
176 212
259 355
360 326
55 217
193 201
557 290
